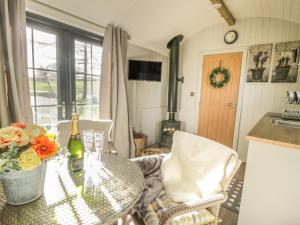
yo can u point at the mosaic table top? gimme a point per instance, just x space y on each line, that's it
101 193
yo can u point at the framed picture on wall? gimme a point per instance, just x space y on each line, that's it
259 61
286 62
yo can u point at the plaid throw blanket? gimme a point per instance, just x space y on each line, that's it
157 209
150 166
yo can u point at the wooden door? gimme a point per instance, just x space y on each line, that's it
218 105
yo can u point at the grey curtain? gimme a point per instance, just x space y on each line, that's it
113 94
14 86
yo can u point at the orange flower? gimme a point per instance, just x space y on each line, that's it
19 125
44 147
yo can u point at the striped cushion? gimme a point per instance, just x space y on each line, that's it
163 202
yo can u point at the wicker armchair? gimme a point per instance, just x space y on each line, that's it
212 204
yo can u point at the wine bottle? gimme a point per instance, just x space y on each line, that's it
75 146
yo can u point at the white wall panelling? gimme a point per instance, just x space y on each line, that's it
255 98
148 99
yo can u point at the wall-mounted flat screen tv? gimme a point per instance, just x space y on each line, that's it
144 70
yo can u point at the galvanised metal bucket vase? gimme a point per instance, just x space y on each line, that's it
21 187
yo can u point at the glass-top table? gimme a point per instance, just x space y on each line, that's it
100 194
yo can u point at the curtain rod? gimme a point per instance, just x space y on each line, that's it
68 13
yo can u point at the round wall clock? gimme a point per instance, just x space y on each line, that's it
231 37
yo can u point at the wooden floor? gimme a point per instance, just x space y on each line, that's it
228 217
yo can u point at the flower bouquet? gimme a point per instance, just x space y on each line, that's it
24 151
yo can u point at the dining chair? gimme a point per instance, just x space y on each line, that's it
64 129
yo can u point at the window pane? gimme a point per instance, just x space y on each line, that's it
34 115
96 59
79 56
95 89
44 50
31 87
87 67
46 116
84 111
29 47
95 112
87 58
45 87
83 88
87 93
82 57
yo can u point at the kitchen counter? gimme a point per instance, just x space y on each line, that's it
271 186
264 131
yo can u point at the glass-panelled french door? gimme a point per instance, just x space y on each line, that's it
64 71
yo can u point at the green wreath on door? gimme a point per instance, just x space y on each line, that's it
216 72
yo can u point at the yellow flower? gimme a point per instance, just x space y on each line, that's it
29 159
35 131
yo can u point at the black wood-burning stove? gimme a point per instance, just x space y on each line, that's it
168 127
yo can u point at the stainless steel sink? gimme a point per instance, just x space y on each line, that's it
286 123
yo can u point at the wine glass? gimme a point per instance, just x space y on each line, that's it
99 142
88 139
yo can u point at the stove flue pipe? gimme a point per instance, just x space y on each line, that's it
174 46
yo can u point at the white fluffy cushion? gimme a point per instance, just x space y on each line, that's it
195 167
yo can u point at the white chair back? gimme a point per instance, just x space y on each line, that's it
197 167
64 129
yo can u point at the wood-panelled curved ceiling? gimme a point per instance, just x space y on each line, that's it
151 23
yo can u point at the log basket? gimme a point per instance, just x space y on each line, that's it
140 142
